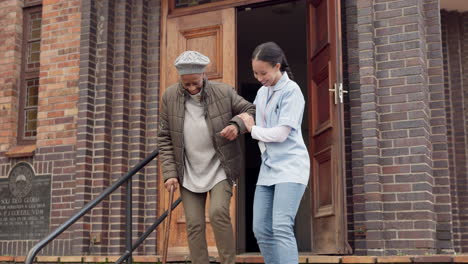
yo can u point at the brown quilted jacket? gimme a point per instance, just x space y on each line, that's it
222 104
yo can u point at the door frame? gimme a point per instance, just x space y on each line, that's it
329 48
172 12
164 24
168 12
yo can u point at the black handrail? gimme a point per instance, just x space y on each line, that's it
41 244
148 231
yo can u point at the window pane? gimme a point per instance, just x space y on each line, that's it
187 3
35 22
34 49
30 67
32 87
30 110
36 34
33 41
34 54
30 122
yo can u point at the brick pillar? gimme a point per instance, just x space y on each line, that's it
406 149
400 203
11 21
448 115
353 125
455 32
102 131
120 121
57 108
84 155
119 67
152 108
440 170
56 129
138 104
368 188
464 59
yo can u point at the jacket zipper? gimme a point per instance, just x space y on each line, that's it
215 145
183 143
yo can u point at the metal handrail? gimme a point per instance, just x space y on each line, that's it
147 233
90 205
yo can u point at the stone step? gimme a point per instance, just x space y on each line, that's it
245 258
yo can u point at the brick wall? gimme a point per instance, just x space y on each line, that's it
399 163
117 117
353 124
11 20
98 111
57 110
438 122
455 47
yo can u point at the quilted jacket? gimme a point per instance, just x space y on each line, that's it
222 104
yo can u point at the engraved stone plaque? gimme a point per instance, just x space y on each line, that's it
24 204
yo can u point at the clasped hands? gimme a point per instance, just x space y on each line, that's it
248 121
230 132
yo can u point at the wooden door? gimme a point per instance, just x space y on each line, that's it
329 234
212 34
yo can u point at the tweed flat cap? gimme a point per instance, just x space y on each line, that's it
190 62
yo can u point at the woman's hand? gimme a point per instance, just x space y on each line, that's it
171 182
230 132
248 121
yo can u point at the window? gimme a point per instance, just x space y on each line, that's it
29 84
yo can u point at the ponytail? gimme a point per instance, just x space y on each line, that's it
285 68
272 53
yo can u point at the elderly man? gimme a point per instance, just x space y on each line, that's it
198 150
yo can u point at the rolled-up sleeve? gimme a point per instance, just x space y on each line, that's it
291 108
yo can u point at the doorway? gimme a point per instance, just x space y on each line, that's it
310 34
284 22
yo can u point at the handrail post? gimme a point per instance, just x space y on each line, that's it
129 221
148 231
90 205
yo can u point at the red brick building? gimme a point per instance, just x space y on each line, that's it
80 83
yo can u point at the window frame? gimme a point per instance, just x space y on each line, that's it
25 75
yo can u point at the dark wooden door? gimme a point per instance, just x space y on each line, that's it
329 234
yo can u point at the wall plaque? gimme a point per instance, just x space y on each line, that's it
24 204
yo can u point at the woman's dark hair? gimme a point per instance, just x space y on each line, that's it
272 53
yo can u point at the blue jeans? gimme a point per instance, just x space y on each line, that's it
274 211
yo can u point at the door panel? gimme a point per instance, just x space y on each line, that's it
211 33
329 234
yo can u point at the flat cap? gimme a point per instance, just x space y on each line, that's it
190 62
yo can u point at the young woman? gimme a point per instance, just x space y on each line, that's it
284 172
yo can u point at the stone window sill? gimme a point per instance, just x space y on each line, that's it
21 151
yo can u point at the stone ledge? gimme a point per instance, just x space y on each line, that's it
460 259
396 259
358 259
323 259
433 259
21 151
7 259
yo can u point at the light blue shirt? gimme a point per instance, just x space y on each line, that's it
287 161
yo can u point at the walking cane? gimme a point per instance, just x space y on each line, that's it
168 225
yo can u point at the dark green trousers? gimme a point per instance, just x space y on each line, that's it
220 219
